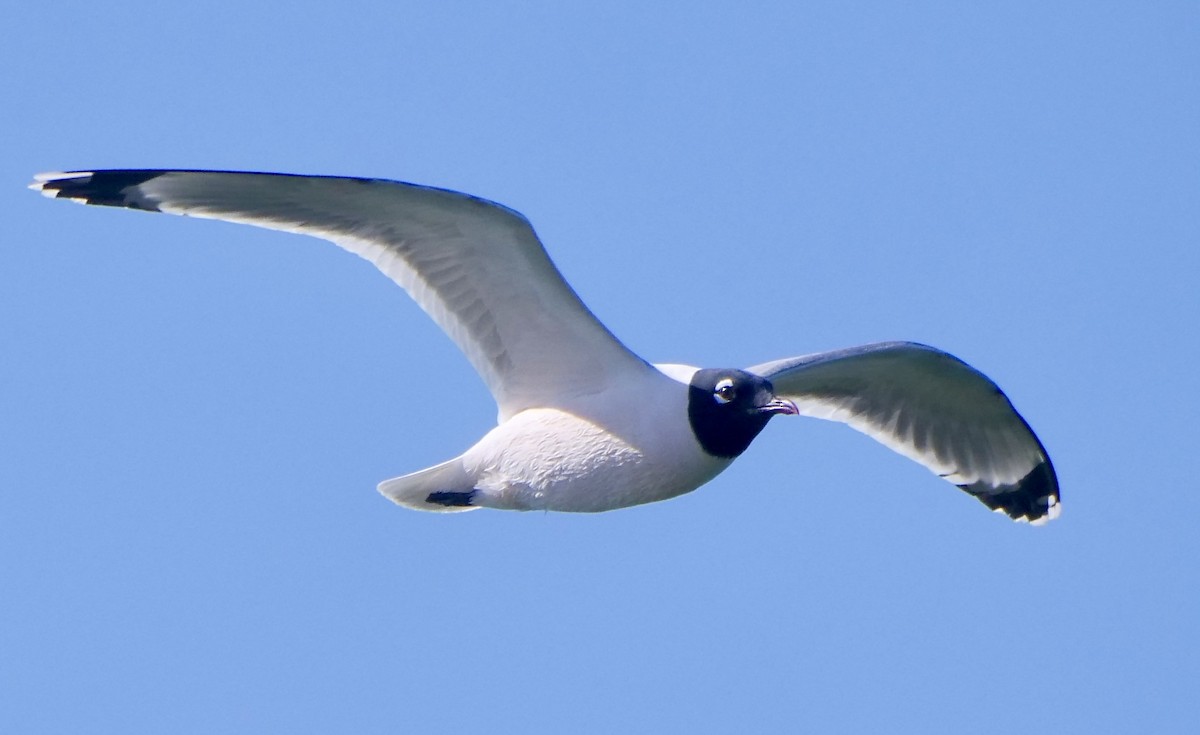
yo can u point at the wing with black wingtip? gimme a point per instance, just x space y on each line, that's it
476 267
934 409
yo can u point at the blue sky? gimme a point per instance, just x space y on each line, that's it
194 415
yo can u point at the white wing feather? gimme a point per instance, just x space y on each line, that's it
474 266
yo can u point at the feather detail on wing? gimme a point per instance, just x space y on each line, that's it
932 408
474 266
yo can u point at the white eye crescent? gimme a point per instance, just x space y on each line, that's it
724 392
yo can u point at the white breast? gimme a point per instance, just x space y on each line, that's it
606 451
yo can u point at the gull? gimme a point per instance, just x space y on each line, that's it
584 424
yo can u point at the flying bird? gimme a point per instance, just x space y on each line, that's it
584 424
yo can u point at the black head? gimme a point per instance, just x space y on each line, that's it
727 409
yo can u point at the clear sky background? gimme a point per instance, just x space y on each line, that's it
193 415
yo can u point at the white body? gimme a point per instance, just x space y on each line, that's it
599 452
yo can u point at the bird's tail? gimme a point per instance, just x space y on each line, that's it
443 488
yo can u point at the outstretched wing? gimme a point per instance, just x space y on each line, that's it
934 409
476 267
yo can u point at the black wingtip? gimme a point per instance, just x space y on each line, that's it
101 188
1034 498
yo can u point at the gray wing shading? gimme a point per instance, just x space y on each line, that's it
474 266
934 409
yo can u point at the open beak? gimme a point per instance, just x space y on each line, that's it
779 405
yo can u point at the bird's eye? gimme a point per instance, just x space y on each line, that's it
725 392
